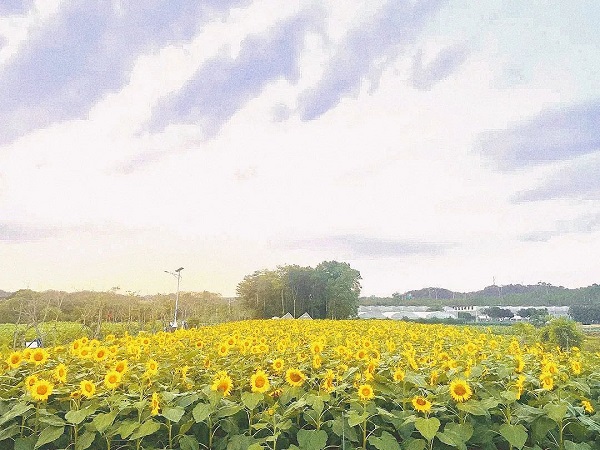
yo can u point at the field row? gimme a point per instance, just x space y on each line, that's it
309 385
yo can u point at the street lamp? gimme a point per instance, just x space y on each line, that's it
176 274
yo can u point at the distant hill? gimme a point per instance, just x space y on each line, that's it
540 294
4 294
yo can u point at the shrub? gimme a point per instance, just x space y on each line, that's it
562 332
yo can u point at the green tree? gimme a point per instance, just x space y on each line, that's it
342 289
563 332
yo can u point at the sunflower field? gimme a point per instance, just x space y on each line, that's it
285 384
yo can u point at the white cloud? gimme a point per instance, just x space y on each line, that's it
390 164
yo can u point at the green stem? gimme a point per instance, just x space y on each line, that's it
364 430
561 443
210 434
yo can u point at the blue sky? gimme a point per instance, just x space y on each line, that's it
425 142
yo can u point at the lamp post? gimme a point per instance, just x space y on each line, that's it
176 274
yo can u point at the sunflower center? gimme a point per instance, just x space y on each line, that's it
460 390
42 389
259 382
421 401
295 377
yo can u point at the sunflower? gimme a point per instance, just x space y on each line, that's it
295 377
327 383
317 361
547 381
41 390
399 374
259 381
38 356
30 381
316 347
576 367
433 377
223 349
587 406
365 392
362 354
519 364
88 388
100 354
421 404
277 365
60 373
151 368
460 390
121 366
222 383
75 347
155 404
14 360
112 379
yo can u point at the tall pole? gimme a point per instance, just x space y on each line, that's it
176 300
176 274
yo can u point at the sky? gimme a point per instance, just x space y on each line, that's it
424 142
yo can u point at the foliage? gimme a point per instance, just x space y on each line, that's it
540 294
302 385
496 312
93 309
330 290
586 314
563 333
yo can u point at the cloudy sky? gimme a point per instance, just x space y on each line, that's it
425 142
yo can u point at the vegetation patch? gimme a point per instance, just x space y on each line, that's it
285 384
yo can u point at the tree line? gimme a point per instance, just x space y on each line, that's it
92 309
330 290
540 294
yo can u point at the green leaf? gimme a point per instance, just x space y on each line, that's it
540 427
126 428
339 427
385 442
146 429
354 418
49 434
312 439
555 411
415 444
569 445
229 410
240 442
255 447
318 404
202 411
188 443
509 396
18 410
474 407
174 414
75 417
251 399
85 440
589 423
427 427
185 427
9 431
516 435
53 420
456 435
26 443
102 421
